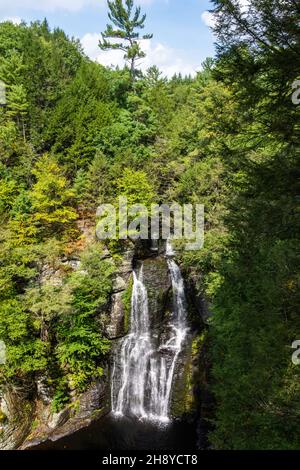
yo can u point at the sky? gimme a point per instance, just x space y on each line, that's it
181 28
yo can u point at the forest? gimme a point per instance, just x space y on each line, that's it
75 134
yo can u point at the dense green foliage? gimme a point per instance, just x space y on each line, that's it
250 262
50 316
257 301
75 134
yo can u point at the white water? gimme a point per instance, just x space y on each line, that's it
143 370
169 248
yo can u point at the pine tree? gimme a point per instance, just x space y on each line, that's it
127 21
18 106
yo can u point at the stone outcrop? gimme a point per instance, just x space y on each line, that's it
16 411
159 287
198 303
91 406
27 423
118 323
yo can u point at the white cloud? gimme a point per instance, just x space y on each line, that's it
12 19
90 44
54 5
50 5
167 59
208 19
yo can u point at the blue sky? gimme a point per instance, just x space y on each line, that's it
182 37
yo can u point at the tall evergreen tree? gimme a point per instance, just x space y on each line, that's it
18 106
127 20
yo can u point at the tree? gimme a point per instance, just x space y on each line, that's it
255 300
259 50
51 199
85 109
127 21
26 352
81 344
135 185
17 106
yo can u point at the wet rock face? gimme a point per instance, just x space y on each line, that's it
117 327
199 306
149 248
182 400
159 287
118 323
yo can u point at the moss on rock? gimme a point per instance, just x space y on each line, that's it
183 397
3 417
190 377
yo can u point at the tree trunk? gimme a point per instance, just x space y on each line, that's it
24 132
132 70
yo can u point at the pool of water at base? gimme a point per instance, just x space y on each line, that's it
111 433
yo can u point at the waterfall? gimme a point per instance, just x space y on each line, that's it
144 367
135 353
169 248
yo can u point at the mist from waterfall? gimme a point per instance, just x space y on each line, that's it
144 366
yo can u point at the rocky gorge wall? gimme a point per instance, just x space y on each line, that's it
28 420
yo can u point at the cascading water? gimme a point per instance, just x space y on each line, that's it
170 252
135 352
143 369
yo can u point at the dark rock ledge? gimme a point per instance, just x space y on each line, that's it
92 405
